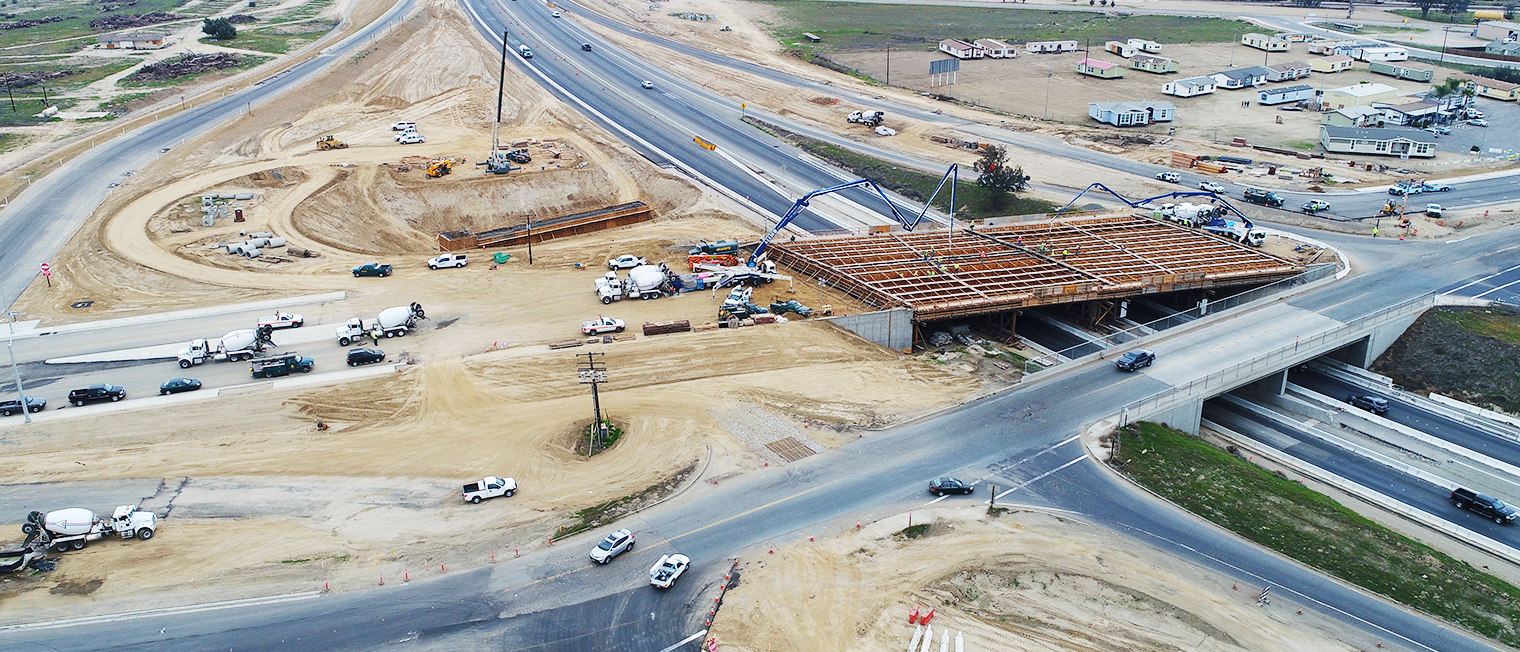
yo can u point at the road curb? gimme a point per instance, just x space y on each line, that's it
166 611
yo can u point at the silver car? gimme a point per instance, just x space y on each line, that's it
615 544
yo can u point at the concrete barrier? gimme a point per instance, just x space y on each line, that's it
890 328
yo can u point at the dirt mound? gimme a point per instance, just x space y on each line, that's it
24 79
22 24
239 19
186 64
128 21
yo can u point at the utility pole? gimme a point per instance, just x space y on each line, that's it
26 409
889 64
593 372
530 237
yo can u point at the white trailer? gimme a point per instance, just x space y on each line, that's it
74 527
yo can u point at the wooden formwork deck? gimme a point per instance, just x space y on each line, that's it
1008 267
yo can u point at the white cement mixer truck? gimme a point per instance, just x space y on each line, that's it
245 344
392 322
73 527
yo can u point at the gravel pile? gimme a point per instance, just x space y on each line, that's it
756 427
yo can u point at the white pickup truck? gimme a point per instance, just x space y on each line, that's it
489 487
602 325
448 260
282 320
664 572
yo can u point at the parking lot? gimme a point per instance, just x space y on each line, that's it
1502 133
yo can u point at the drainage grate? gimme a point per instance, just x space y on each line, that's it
790 449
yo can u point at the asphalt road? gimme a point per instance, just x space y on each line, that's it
1405 413
38 222
1381 478
1502 285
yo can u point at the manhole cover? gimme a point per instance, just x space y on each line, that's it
81 304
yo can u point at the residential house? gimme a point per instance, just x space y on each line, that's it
1264 42
1381 53
1189 87
1494 88
1506 47
1144 45
1355 116
1120 48
1148 63
960 49
1401 71
1041 47
1497 29
1449 104
997 49
1419 113
1097 68
1329 47
1241 77
134 41
1131 114
1295 37
1285 94
1332 63
1356 95
1386 142
1287 71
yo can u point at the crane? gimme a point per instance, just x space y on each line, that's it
952 174
1171 195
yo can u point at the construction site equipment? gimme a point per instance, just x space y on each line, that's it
1186 214
328 142
720 247
726 260
392 322
793 305
74 527
440 167
237 345
868 118
1389 208
549 228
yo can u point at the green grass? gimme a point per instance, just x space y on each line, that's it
1438 16
81 76
604 513
79 25
973 201
303 12
1367 29
1304 145
869 26
245 61
1498 325
1309 527
913 531
272 43
9 141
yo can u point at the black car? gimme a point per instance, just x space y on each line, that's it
372 269
178 385
948 485
357 357
1484 504
13 406
1369 402
1135 359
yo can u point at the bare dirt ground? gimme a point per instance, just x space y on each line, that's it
1024 581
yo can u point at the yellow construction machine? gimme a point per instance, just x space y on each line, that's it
440 167
328 142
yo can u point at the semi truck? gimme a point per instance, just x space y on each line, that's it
1236 231
392 322
868 118
74 527
1190 215
245 344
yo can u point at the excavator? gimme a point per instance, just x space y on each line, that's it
328 142
440 167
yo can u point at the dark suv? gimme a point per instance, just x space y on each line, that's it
1135 359
360 356
101 392
13 406
1369 402
1486 505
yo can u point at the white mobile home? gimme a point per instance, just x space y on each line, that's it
1040 47
1189 87
1284 95
1144 45
1380 54
1122 49
960 49
1131 114
997 49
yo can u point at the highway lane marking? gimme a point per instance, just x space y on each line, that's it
686 640
1471 283
1457 240
1480 296
167 611
1039 477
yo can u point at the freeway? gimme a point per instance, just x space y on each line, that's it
1381 478
40 220
1403 412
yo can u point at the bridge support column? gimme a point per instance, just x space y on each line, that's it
1276 383
1185 416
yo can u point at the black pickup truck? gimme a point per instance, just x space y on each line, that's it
101 392
13 406
1485 505
281 365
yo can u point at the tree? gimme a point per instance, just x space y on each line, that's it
997 176
1425 6
1454 7
218 29
1509 9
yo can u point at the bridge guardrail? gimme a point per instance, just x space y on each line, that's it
1196 388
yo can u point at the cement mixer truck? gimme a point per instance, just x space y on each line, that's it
74 527
392 322
245 344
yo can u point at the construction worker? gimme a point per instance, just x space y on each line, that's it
375 336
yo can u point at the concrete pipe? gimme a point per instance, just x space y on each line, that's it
253 252
276 242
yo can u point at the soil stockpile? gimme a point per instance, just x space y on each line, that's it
128 21
1472 354
186 64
